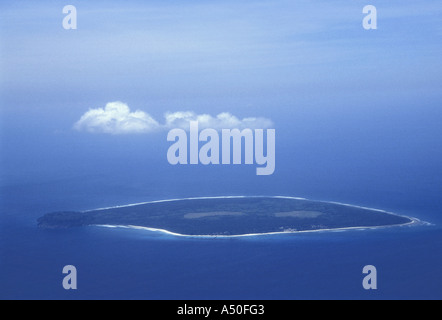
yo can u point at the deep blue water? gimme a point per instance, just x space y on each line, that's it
131 264
391 162
358 119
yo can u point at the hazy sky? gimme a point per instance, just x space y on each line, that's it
159 50
329 86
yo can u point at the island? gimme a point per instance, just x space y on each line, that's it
229 216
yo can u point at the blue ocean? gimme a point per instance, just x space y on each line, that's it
85 109
137 264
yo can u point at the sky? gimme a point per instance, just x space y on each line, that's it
182 49
339 93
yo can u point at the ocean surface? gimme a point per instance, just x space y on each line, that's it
391 163
357 115
137 264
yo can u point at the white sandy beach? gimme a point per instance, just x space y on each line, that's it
414 221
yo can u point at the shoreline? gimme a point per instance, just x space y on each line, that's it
413 221
243 197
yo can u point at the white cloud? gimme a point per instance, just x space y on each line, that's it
116 118
222 121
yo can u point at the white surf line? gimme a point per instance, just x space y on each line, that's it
413 221
251 234
173 200
242 197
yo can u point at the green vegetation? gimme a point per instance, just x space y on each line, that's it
228 216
